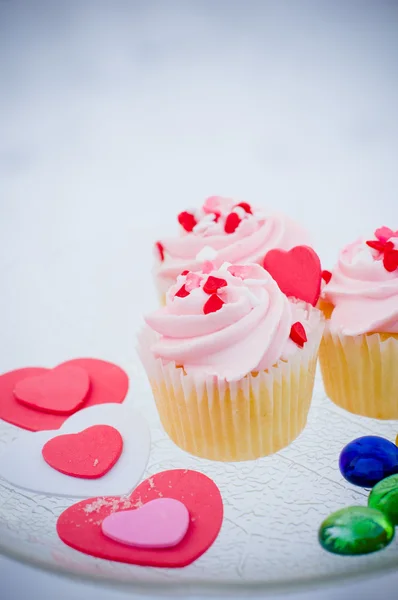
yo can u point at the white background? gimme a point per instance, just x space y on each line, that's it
118 114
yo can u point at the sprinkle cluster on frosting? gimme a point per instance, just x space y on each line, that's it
363 287
234 231
218 215
385 246
228 322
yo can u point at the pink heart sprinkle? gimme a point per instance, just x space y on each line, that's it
241 271
384 233
192 281
160 523
208 267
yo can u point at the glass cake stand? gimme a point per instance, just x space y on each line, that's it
113 121
273 508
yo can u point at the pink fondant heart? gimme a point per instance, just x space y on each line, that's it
89 454
108 383
160 523
80 526
297 272
59 391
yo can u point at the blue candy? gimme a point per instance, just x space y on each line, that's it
367 460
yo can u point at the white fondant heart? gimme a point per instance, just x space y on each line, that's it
160 523
23 465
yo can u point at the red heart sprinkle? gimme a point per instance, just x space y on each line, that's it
213 284
297 334
182 292
208 267
185 273
213 304
89 454
390 260
326 275
246 207
231 222
187 220
160 248
376 245
217 215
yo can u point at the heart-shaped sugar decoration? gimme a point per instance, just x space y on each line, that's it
192 282
187 220
22 463
182 292
297 334
232 222
79 526
89 454
326 276
390 260
108 384
59 391
213 284
384 233
376 245
160 523
297 272
208 267
246 207
160 249
213 304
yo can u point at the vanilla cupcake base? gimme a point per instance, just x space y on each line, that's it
360 373
235 421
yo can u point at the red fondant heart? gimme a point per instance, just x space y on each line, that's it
80 525
89 454
108 383
297 272
59 391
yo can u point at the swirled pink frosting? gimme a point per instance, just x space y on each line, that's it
256 233
250 332
364 293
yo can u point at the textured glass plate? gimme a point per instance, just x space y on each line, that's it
114 120
273 508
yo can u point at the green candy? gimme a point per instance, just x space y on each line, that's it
384 497
356 530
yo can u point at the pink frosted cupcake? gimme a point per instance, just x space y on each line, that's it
359 351
231 362
222 230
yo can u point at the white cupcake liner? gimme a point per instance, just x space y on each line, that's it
360 373
255 416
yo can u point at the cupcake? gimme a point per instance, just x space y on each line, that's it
359 350
222 230
231 362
